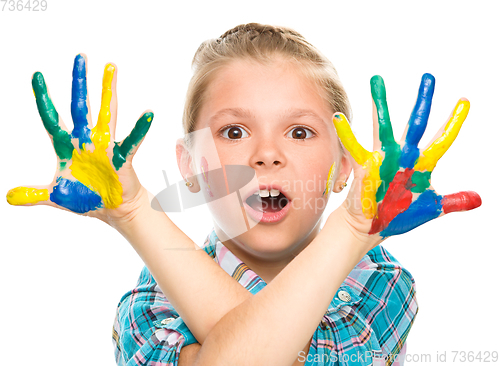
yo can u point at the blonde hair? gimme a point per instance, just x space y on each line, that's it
261 43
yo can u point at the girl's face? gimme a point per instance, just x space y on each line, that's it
274 120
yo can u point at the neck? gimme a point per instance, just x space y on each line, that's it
267 268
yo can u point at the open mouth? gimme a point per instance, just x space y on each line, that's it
267 204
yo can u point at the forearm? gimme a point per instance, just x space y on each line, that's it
195 285
275 324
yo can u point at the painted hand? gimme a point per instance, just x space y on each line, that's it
396 194
94 174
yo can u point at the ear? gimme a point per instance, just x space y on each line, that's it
345 171
186 165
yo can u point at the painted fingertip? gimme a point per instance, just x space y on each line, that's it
378 87
461 201
463 106
81 54
149 116
428 78
376 79
110 67
339 116
79 66
38 83
427 86
24 195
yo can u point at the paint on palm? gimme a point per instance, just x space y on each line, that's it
92 181
396 189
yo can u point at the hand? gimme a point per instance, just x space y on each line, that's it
94 174
396 194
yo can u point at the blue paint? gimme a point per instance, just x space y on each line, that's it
79 109
409 155
418 121
75 196
427 207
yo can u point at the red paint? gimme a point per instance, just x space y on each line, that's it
461 201
396 200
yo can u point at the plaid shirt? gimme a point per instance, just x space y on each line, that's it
367 321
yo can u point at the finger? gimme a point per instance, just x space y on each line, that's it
20 196
80 102
128 147
344 132
430 156
418 122
461 201
50 118
389 146
101 132
377 146
384 128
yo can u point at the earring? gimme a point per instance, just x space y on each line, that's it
189 184
343 186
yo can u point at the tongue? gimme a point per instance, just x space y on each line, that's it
266 204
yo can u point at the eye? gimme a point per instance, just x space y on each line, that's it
301 133
233 132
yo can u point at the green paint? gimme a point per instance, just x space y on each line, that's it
422 181
50 118
62 165
121 151
390 165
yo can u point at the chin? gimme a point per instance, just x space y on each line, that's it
267 244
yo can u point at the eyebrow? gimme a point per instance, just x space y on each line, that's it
245 113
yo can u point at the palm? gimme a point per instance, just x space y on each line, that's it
396 193
94 173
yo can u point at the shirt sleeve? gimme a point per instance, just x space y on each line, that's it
147 330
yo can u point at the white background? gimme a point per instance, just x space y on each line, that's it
63 275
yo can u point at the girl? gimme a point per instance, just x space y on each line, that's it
283 292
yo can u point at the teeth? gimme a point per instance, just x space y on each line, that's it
265 193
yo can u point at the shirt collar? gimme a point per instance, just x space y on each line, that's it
232 265
347 294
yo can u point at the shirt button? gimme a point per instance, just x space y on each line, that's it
323 325
344 296
166 321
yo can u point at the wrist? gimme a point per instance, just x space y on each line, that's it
357 230
137 209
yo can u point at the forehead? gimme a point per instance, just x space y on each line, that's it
278 87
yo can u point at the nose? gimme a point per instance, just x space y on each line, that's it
268 154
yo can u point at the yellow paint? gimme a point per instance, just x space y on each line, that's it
344 132
93 168
371 182
329 184
24 195
370 162
206 179
100 133
431 155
